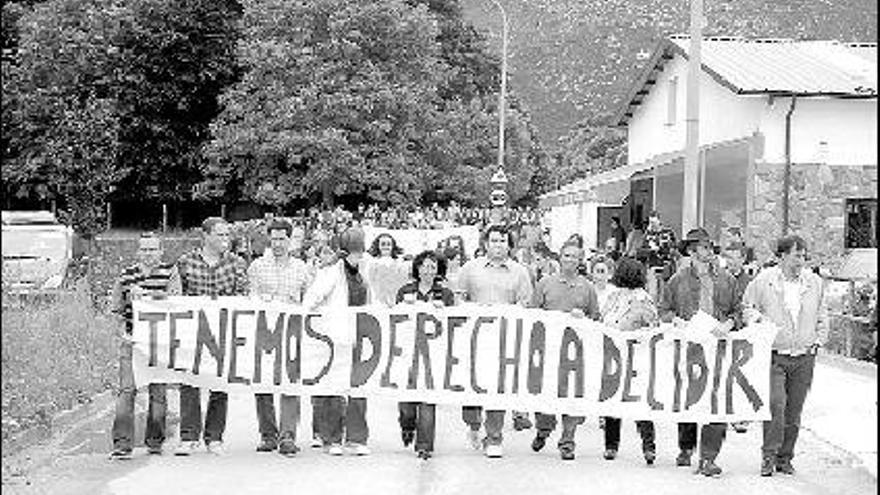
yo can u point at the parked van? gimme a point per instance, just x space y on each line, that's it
37 251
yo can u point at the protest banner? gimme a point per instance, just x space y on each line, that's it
496 356
414 241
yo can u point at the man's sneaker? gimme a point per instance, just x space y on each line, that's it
120 454
494 451
186 447
610 454
740 426
708 468
474 440
216 447
335 449
424 454
684 457
539 442
288 447
154 449
267 445
521 421
359 449
650 457
316 442
768 465
784 467
566 453
407 436
601 422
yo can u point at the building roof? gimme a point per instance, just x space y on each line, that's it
779 66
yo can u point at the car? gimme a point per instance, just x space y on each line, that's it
37 251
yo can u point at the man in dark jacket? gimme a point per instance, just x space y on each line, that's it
700 285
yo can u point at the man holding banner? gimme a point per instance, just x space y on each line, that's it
493 279
701 286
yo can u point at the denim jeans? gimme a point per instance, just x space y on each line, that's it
545 423
290 411
790 380
340 418
191 415
711 438
473 417
123 422
645 429
418 417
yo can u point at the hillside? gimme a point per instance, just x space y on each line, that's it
570 59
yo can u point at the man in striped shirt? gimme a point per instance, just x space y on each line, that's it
211 270
279 276
149 277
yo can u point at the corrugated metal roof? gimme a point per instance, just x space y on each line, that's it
786 66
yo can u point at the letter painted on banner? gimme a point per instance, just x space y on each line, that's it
368 330
452 324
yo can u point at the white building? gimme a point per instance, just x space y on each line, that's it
753 94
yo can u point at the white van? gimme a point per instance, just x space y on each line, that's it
37 251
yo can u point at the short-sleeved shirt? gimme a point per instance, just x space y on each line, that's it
155 281
507 282
555 292
228 277
282 280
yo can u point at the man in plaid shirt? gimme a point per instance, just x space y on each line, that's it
279 276
211 270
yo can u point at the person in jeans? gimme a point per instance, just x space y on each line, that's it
278 276
572 293
790 297
735 255
339 285
701 285
149 277
629 308
417 418
210 270
493 279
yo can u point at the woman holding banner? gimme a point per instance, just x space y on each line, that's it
417 418
629 308
337 285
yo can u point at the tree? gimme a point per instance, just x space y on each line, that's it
592 147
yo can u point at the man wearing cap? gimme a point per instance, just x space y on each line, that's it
700 285
789 296
336 286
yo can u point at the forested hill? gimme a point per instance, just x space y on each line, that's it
571 59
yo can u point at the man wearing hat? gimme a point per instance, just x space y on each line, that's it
700 285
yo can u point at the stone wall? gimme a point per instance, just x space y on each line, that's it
817 209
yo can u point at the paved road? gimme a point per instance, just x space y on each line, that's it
78 464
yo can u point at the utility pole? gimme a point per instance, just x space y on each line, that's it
690 197
502 98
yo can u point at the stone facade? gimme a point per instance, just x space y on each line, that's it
817 206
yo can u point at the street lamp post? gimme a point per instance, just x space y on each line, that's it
502 104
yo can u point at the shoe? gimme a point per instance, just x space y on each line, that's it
316 443
650 457
740 427
567 454
768 465
474 440
407 436
154 449
186 448
521 422
684 457
216 448
335 449
120 454
610 454
359 449
288 447
267 445
538 443
784 467
708 468
424 454
601 422
494 451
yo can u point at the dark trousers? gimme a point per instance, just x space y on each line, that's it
473 417
290 411
191 415
123 422
790 380
545 423
338 418
711 437
645 429
418 417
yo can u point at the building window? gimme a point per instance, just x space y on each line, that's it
671 100
861 223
